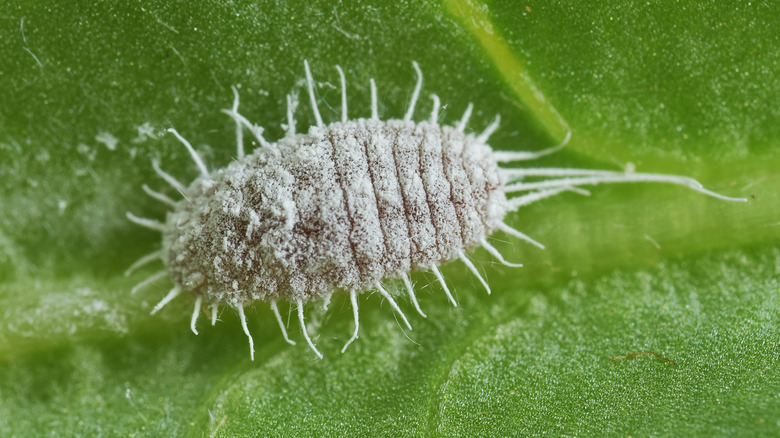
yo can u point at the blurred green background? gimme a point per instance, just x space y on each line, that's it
88 88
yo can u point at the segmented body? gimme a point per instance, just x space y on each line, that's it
346 207
340 208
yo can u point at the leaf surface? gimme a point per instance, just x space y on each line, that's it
88 90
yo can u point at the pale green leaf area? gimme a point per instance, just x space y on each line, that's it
87 90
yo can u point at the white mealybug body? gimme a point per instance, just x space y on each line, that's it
346 207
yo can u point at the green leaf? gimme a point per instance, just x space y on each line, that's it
87 90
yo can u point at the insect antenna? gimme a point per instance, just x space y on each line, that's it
195 156
257 131
157 255
148 223
149 280
167 177
158 196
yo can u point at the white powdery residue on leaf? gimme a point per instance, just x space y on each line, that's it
107 139
146 132
95 307
70 312
87 151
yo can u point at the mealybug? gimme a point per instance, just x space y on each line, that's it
345 207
